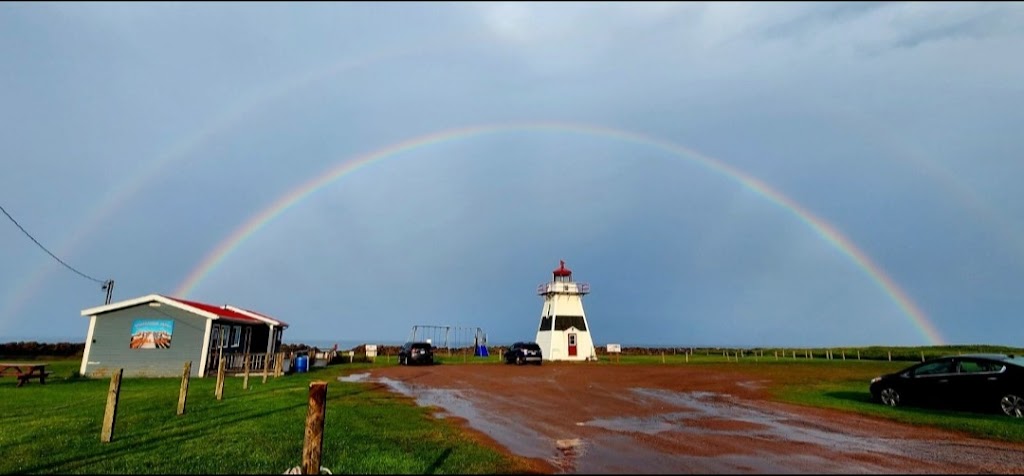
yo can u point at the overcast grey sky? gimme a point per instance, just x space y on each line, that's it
749 174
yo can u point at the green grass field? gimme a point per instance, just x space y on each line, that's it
55 428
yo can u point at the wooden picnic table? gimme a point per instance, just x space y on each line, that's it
24 371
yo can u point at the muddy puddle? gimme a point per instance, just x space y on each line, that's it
700 432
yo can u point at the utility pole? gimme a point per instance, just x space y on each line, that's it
108 285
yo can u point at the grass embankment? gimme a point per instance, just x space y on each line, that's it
55 428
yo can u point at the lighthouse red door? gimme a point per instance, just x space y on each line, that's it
572 345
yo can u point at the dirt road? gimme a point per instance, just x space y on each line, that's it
674 419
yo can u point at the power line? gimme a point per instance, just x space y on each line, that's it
86 276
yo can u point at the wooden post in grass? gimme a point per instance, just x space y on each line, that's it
843 353
245 380
890 356
663 357
266 366
922 356
183 393
313 443
858 354
220 380
113 395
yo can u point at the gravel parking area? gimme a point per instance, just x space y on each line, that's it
578 418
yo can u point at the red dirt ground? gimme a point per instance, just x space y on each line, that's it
567 418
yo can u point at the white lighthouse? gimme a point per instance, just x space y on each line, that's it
564 333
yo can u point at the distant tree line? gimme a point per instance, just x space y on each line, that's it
35 349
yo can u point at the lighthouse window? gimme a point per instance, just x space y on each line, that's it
564 322
545 323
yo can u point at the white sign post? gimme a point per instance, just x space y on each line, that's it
371 352
615 349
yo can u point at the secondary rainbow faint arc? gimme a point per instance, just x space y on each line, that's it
820 226
227 119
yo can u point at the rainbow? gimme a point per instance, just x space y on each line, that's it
227 119
826 231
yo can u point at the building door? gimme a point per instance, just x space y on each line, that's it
572 345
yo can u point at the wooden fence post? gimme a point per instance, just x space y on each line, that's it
922 356
266 366
183 393
245 381
313 442
890 356
858 354
220 380
663 357
113 395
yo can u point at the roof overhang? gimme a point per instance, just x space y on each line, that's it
147 299
255 315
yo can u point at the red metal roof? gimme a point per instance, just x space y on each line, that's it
280 322
218 310
562 270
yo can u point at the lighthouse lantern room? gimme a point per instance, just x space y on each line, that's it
564 333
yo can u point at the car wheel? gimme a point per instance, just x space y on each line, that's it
519 360
1012 405
890 396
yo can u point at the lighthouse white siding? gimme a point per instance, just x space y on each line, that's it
562 316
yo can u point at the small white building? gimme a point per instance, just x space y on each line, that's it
564 333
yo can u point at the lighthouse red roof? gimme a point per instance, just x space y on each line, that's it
562 270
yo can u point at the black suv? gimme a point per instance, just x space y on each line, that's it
523 352
416 353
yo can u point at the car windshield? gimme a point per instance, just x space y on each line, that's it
1018 360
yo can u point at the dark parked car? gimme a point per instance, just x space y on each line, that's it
524 352
980 382
416 353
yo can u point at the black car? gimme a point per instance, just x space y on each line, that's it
981 382
524 352
416 353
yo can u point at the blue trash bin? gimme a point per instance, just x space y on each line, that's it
302 364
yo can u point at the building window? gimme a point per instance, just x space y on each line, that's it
545 323
236 335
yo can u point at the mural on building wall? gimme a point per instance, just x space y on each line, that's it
152 333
